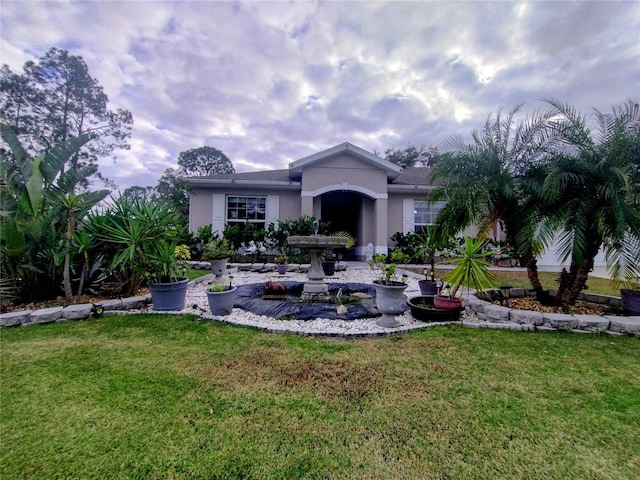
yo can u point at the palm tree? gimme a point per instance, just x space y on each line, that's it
592 191
481 182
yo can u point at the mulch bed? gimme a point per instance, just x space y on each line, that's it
581 307
62 302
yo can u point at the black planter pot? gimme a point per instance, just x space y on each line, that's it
427 287
630 301
329 267
422 309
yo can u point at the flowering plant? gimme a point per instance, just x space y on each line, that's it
281 259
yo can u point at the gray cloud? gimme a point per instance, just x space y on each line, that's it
271 82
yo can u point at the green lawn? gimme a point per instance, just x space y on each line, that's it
155 396
519 279
193 273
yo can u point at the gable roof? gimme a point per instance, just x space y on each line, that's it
392 170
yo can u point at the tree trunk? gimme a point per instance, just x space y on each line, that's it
574 281
531 263
85 269
66 273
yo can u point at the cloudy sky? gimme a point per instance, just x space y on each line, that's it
271 82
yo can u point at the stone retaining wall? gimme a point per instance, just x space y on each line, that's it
496 316
71 312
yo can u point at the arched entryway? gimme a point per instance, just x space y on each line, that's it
343 210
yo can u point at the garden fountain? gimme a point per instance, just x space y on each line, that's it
316 289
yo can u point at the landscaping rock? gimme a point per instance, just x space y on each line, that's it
592 323
474 304
46 315
559 321
497 313
629 325
135 303
115 304
526 317
77 312
12 319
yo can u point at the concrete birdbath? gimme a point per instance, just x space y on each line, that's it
315 289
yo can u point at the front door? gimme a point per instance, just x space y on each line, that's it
342 211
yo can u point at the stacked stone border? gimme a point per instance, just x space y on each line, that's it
478 313
490 315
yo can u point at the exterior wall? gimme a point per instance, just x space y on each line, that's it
343 169
396 213
201 207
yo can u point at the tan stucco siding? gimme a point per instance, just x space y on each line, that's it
395 214
341 170
201 209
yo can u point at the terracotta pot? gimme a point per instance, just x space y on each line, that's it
447 303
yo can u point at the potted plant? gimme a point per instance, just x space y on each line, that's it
329 257
471 269
167 265
221 297
428 243
281 263
218 252
630 296
390 298
423 309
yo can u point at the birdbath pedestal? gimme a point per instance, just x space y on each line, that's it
315 289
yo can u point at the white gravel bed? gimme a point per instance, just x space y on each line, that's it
196 304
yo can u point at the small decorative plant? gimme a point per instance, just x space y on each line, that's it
280 259
428 244
387 271
220 286
329 254
217 249
168 262
471 267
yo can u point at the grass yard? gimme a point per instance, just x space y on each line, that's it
175 397
518 279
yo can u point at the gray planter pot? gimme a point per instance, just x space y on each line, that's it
169 296
630 301
390 301
282 268
221 303
219 267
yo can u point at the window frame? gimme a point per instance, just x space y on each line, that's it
430 211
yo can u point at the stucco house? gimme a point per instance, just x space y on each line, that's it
355 190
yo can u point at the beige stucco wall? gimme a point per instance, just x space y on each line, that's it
395 214
343 169
202 203
200 208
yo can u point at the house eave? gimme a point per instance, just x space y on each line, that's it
410 188
265 184
392 170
